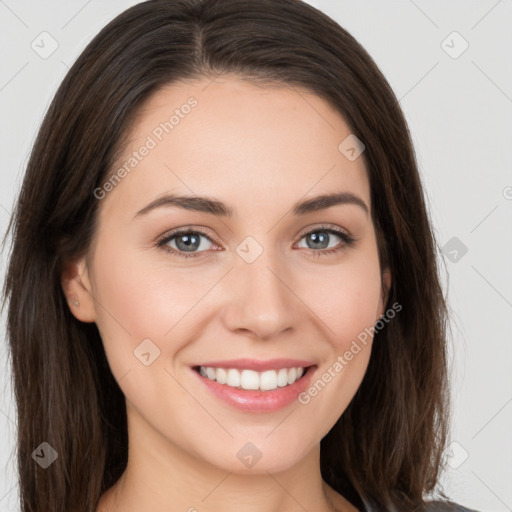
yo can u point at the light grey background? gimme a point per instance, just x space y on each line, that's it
459 110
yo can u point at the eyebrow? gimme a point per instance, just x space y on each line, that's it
216 207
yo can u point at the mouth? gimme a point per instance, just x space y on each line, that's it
251 391
252 380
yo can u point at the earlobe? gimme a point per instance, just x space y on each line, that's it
78 291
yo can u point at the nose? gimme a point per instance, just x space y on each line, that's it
260 300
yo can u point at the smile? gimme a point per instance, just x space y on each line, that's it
253 380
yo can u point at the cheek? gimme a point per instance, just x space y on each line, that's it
140 296
347 301
346 298
349 317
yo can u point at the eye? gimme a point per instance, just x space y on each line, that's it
320 238
185 243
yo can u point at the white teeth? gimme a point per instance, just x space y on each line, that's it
282 377
233 379
252 380
221 376
269 380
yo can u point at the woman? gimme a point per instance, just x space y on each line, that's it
181 337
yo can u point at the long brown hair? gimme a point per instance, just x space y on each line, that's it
386 449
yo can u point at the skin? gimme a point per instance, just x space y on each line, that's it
259 150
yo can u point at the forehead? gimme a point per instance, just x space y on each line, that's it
250 145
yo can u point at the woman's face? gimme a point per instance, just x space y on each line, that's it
268 281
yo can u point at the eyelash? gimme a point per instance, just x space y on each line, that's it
347 241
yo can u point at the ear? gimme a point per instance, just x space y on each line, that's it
386 285
78 291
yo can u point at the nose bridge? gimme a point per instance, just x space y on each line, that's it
259 296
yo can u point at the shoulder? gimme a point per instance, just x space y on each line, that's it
446 506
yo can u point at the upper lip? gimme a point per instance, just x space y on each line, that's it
258 365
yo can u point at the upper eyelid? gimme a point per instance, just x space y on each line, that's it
326 227
181 231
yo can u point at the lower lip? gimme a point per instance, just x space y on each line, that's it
259 401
